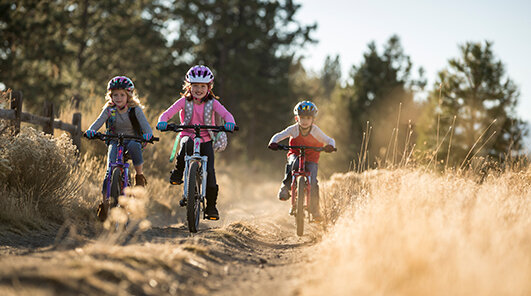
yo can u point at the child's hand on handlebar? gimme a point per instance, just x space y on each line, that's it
162 125
229 126
273 146
329 148
147 137
90 133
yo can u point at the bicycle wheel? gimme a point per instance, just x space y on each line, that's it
116 186
193 205
299 215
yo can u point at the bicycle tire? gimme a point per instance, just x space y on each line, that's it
299 215
116 187
192 203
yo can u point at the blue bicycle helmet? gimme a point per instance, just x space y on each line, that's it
305 108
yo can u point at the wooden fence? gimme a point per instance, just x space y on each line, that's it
47 121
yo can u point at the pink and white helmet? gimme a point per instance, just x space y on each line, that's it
199 74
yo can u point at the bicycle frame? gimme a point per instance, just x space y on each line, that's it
196 157
202 161
120 163
301 173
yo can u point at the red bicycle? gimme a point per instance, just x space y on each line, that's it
300 186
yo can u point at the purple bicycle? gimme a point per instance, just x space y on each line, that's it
118 179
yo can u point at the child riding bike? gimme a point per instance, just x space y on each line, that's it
198 106
303 133
122 114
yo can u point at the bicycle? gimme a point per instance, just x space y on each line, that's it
118 179
195 174
300 188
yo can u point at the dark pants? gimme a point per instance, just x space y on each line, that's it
206 149
312 167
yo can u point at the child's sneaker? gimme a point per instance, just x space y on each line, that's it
317 219
102 211
283 193
316 216
140 180
211 213
292 211
176 177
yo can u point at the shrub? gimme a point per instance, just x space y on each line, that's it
39 176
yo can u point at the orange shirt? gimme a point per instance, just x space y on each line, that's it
315 138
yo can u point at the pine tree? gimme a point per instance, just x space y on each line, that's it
380 104
250 45
474 89
330 75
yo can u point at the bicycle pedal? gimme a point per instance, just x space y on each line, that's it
182 202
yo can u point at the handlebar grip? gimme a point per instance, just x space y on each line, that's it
96 135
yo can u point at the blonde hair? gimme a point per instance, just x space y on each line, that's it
132 99
187 87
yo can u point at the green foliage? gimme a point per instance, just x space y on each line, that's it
56 50
250 46
330 75
32 51
476 91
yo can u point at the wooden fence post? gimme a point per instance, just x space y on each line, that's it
76 136
47 111
16 104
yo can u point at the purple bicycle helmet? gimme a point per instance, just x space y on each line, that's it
305 108
120 82
199 74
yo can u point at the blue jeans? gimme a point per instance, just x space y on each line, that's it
293 164
134 149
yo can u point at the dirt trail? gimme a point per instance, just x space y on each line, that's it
252 251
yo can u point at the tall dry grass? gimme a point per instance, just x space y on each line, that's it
412 232
40 180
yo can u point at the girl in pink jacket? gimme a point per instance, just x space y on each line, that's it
198 90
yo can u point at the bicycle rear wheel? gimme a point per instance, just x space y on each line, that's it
193 204
116 186
299 216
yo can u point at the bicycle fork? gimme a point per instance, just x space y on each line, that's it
196 157
301 176
125 177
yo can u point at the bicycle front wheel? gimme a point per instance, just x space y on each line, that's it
193 204
116 186
299 215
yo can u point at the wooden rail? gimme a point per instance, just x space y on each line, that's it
48 122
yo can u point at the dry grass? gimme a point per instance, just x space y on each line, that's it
406 231
40 179
409 232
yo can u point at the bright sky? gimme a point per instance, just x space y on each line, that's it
430 32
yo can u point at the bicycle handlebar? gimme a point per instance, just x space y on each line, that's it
179 128
105 137
287 147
